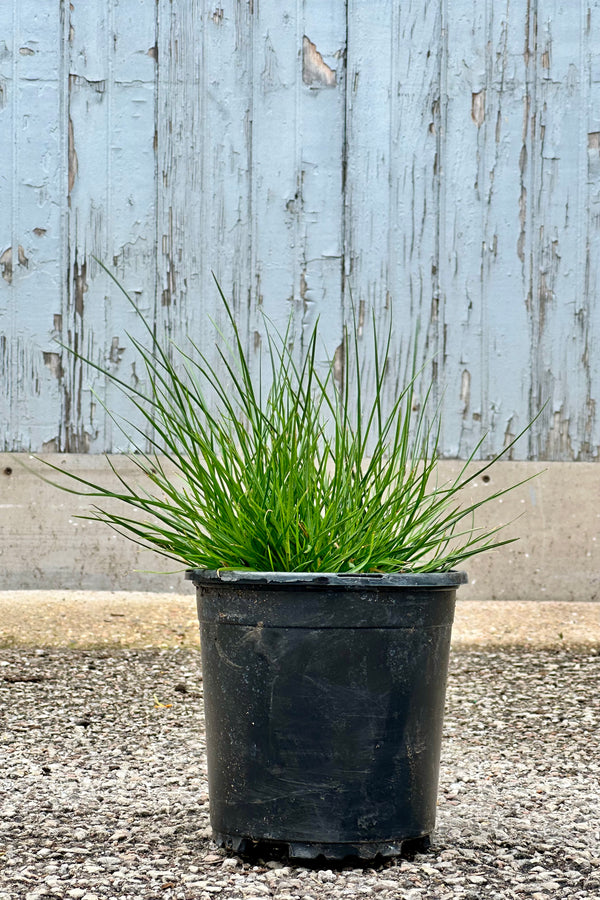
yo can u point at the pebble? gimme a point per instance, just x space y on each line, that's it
117 810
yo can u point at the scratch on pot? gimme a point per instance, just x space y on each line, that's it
254 635
225 658
259 801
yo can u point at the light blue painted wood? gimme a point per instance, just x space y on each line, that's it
261 202
515 200
393 178
487 371
112 206
439 161
204 163
560 302
31 215
318 164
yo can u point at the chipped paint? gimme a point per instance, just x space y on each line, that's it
72 156
80 286
478 108
465 392
441 169
6 264
315 70
54 362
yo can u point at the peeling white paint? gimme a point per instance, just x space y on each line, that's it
478 108
441 165
315 70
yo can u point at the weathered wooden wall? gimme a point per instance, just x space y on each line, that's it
441 161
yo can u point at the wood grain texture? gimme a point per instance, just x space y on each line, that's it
436 163
392 184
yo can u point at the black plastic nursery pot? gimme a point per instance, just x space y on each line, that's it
324 701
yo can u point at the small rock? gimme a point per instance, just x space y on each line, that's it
109 862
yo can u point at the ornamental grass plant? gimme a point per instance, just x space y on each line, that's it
303 476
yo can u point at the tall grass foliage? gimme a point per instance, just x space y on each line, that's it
311 477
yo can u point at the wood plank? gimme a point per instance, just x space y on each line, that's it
392 179
588 418
31 185
564 371
111 211
319 138
270 229
485 210
204 163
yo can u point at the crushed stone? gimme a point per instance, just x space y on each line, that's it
103 791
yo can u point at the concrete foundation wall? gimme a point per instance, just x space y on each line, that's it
44 545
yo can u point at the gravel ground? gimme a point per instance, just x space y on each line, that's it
103 784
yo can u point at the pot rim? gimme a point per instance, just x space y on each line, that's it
453 578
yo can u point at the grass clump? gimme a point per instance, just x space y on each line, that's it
308 478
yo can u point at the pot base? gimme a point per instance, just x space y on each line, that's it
366 850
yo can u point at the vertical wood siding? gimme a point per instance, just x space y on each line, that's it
437 163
